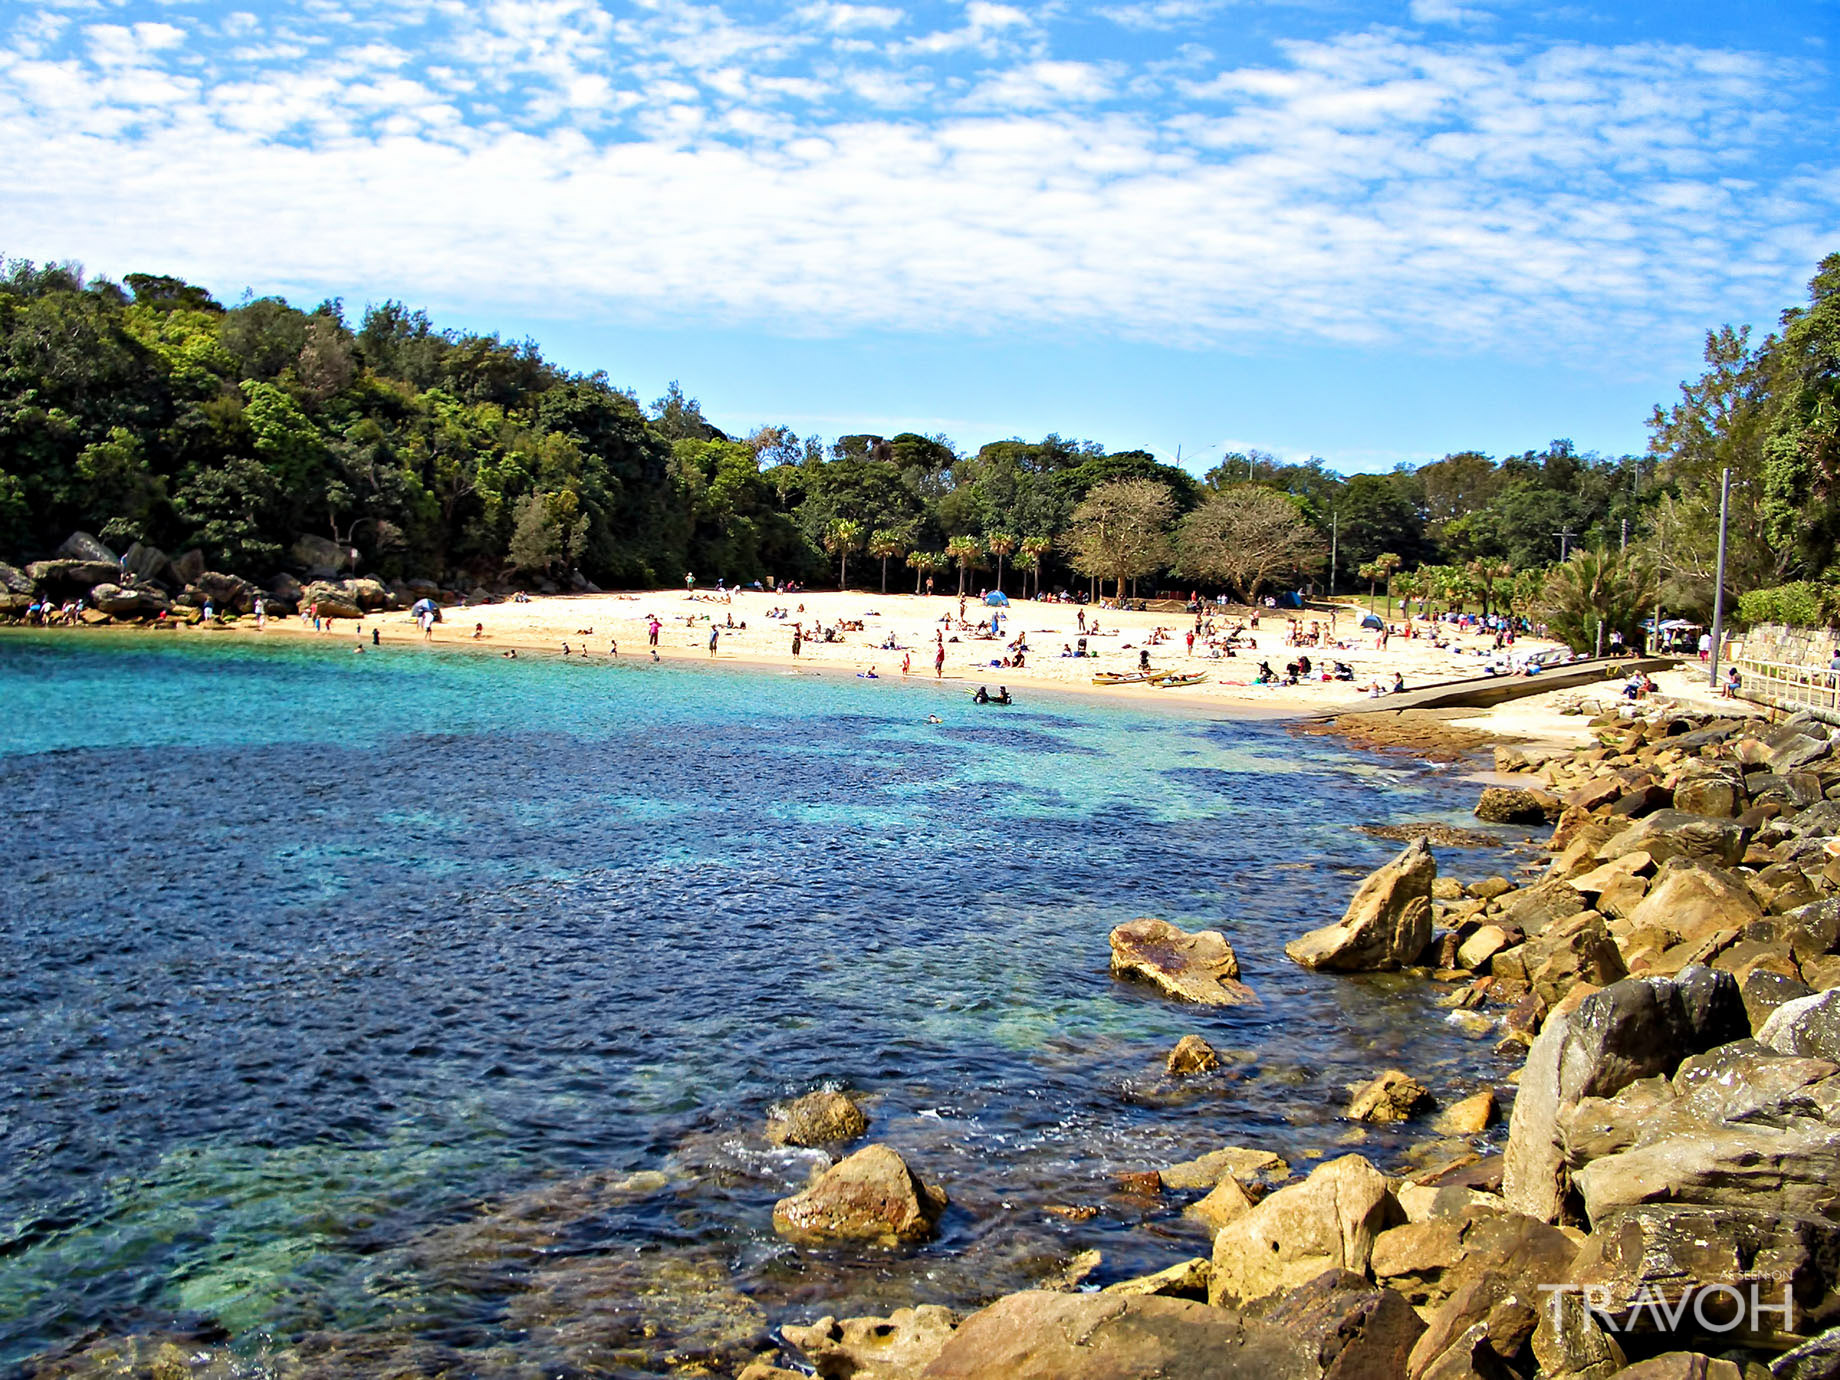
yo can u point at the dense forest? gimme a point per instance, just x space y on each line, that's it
148 411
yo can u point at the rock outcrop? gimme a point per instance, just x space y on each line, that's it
1387 924
1327 1222
1199 967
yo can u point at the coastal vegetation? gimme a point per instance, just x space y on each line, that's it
148 411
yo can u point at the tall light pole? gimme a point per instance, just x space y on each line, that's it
1718 590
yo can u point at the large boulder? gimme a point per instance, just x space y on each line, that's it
69 579
1717 791
1688 904
127 603
1501 805
818 1118
81 546
1674 1254
14 580
1199 967
1387 924
1808 1026
189 566
1327 1222
1632 1029
871 1196
333 601
1339 1326
145 562
1677 834
318 557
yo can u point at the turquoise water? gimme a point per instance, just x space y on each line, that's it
422 1008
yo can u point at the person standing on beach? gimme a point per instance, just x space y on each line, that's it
715 632
651 631
798 639
939 662
689 582
907 662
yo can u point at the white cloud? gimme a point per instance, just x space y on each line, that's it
680 163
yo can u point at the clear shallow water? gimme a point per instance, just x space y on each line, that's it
342 998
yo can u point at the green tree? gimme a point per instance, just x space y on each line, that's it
120 489
924 563
966 552
1801 499
1598 590
231 508
1000 545
1036 550
842 537
1380 568
885 543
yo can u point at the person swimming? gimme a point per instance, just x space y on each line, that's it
934 719
981 697
1003 694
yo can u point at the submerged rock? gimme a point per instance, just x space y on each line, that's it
1386 925
871 1196
1393 1096
817 1118
1199 967
1192 1055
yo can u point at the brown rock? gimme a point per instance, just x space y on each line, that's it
1226 1202
1186 1279
1041 1335
1501 805
1327 1222
1199 967
1192 1055
871 1196
1387 924
817 1118
1470 1117
1393 1096
1231 1161
898 1347
1568 1342
1690 903
1681 1365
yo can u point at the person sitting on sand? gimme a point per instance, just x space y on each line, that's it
1399 683
1067 649
869 674
479 631
1143 660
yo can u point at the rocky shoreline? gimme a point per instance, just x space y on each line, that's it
1664 1204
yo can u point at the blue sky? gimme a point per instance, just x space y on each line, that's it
1367 231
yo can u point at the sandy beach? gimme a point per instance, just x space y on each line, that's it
905 627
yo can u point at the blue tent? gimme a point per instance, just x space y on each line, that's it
997 599
1372 620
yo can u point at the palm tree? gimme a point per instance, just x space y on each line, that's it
841 538
1410 584
1000 545
1035 549
1596 593
885 543
923 563
964 550
1487 574
1380 568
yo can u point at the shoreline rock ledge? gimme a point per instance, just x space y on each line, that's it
1387 925
1199 967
